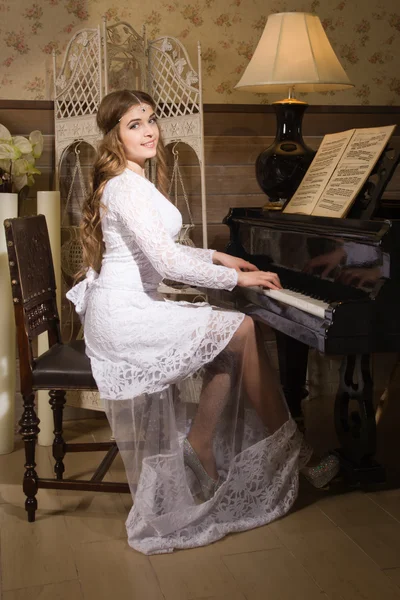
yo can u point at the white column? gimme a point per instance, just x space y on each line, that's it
8 210
48 204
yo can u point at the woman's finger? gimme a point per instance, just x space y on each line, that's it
326 271
272 274
274 281
274 277
271 285
251 267
245 265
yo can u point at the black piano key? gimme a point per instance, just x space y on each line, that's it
315 287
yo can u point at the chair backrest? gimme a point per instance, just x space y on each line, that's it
33 286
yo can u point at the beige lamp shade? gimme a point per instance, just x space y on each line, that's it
294 51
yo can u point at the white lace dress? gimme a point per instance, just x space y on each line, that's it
139 344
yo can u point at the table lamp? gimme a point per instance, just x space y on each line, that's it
293 55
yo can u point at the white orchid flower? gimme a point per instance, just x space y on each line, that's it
5 135
23 145
18 156
22 166
9 152
36 139
20 181
23 172
5 164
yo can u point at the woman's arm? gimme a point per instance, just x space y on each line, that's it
134 207
200 253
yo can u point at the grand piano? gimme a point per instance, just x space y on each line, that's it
341 296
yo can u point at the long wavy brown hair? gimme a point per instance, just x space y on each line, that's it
110 162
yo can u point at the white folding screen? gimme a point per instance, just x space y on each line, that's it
96 62
115 57
177 90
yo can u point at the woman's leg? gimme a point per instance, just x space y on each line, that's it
260 381
260 385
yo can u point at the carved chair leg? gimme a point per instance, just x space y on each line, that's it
57 401
29 430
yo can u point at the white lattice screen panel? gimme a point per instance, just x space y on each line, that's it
78 87
172 78
126 58
176 89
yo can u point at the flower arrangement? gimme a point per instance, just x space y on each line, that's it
17 160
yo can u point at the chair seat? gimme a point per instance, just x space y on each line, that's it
64 366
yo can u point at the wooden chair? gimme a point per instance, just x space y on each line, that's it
63 367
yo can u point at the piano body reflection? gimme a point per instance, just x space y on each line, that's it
341 280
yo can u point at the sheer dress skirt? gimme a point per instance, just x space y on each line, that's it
152 395
162 368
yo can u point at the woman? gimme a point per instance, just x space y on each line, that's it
217 451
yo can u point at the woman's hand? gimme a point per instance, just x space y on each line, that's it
248 274
329 261
232 262
360 276
265 279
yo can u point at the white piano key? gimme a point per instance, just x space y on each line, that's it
296 299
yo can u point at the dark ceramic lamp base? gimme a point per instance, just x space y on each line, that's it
281 167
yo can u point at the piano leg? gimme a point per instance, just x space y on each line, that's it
355 421
292 357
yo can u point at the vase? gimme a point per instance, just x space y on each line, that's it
281 167
6 186
8 210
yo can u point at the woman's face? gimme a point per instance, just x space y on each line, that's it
139 135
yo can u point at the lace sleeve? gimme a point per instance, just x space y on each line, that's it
200 253
133 205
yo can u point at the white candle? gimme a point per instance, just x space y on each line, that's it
48 204
8 210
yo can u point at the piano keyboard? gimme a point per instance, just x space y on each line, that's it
296 299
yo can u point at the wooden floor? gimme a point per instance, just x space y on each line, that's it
342 544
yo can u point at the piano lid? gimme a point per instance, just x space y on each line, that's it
364 230
349 255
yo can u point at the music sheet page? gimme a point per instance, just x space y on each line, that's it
319 173
357 162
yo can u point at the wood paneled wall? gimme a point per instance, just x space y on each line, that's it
234 136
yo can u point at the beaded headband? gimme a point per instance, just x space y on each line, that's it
141 106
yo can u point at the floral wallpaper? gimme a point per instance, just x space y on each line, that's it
365 36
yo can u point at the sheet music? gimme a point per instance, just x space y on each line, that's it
358 160
338 172
319 172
